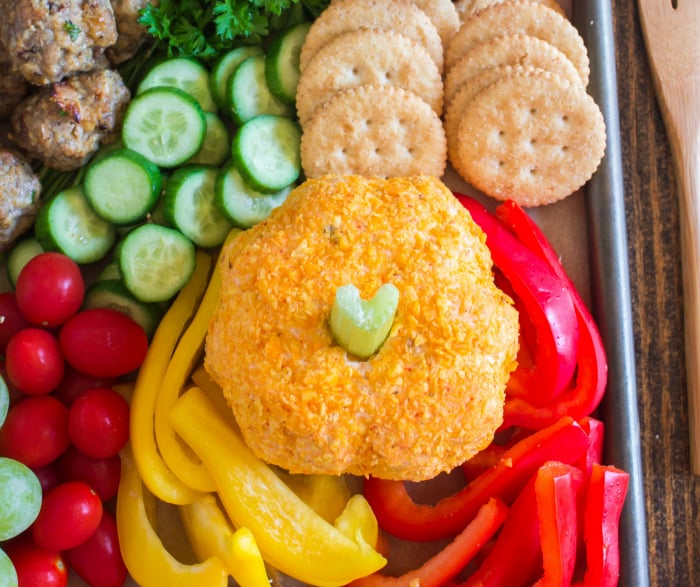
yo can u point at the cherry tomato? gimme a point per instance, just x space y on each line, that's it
34 361
101 474
35 431
69 514
98 560
74 383
103 343
50 289
35 566
49 476
11 319
98 422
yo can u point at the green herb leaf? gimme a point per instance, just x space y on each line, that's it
207 28
73 30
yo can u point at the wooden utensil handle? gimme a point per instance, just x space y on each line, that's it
682 113
689 194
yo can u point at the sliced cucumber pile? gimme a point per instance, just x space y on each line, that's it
202 150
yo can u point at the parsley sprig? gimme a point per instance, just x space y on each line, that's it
207 28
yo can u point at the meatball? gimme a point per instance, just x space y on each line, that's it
20 191
13 86
433 394
63 124
132 34
48 41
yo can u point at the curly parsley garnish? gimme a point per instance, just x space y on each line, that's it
207 28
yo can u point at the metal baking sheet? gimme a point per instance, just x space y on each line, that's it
594 220
610 291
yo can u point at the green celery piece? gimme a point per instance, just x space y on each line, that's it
361 326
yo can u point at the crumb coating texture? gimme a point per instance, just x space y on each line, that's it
430 398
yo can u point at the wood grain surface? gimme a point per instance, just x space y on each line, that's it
672 493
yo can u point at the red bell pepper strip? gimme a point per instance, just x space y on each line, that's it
515 559
399 515
447 563
594 455
607 489
557 487
547 304
492 454
582 398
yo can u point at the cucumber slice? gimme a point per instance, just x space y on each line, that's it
155 262
112 293
109 272
224 67
217 142
165 125
19 255
266 151
247 94
66 223
242 205
158 215
184 73
190 207
122 186
282 62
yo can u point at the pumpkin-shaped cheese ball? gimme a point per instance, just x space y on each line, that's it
430 397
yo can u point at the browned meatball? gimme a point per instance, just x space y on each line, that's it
20 192
63 124
48 41
132 34
13 86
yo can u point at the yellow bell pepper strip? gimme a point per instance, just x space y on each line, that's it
156 474
292 537
145 556
327 495
358 522
213 391
182 461
211 534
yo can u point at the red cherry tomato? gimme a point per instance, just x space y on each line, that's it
49 476
35 431
98 560
103 343
101 474
74 383
98 422
69 514
34 361
11 319
36 567
50 289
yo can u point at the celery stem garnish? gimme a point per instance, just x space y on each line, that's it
361 326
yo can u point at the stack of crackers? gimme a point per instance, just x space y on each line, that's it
509 78
370 93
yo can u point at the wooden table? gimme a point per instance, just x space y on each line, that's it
672 494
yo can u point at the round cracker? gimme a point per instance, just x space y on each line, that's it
345 62
398 15
375 131
531 136
443 15
461 101
516 49
478 5
520 16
